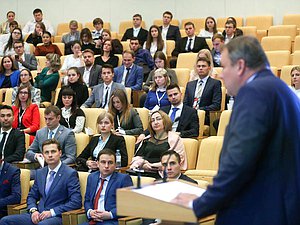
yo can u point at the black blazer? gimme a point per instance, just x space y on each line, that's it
188 125
173 33
14 148
142 36
95 75
186 178
213 52
115 142
211 96
200 43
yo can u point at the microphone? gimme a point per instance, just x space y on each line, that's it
165 175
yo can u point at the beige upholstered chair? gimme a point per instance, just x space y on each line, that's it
283 30
296 58
249 31
186 60
208 159
198 22
262 24
297 43
170 45
183 76
144 115
91 115
130 146
274 43
224 120
278 58
191 149
82 141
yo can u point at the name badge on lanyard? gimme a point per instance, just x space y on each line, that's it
159 98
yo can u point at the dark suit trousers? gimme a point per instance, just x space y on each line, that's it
25 219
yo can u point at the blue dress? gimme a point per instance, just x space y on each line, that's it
161 99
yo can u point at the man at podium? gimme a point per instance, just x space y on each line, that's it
259 170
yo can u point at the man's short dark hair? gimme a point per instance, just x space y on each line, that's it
108 66
172 86
189 23
231 22
97 20
220 36
134 39
51 141
52 108
18 42
138 15
6 107
106 151
205 59
13 23
88 50
168 13
170 153
37 10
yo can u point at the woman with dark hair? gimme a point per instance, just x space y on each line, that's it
295 80
73 60
126 119
210 28
8 48
160 61
26 78
161 139
75 82
9 74
107 139
36 37
107 56
47 47
72 117
48 79
26 114
86 40
154 41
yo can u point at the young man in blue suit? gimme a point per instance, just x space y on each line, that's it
56 189
129 74
258 181
10 186
100 197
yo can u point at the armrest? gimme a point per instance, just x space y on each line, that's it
76 216
131 219
206 175
16 209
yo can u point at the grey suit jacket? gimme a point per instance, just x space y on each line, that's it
95 75
63 135
30 62
67 37
96 96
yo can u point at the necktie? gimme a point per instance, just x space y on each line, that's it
50 134
199 88
105 98
173 114
49 182
97 197
2 143
190 45
127 75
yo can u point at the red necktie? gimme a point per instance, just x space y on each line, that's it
97 197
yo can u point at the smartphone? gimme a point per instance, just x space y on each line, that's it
17 57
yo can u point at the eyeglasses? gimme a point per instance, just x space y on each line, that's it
16 32
17 47
23 93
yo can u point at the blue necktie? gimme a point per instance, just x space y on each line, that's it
173 114
49 182
51 134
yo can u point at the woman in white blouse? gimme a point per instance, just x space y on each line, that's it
210 28
154 41
73 60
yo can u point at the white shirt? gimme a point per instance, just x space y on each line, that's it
188 41
206 34
136 31
177 115
30 26
1 136
96 34
54 131
227 38
124 74
70 61
20 64
164 32
86 75
153 48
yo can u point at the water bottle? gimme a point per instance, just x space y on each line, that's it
118 159
230 103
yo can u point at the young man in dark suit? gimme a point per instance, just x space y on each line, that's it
10 186
258 176
136 31
191 43
56 190
12 142
100 198
169 31
205 92
23 60
218 42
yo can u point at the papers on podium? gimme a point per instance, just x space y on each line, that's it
168 191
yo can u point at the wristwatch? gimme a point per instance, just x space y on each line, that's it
32 210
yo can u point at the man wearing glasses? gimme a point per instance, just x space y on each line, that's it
24 60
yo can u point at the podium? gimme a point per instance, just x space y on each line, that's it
131 203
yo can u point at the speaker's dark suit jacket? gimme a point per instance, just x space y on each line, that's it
210 99
173 33
142 35
10 187
200 43
14 148
258 181
188 122
95 75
